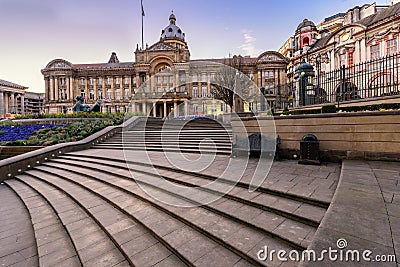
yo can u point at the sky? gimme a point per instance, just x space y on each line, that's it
34 32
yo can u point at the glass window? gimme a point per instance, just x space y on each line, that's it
194 78
83 94
100 81
391 47
99 94
109 94
108 80
350 59
118 94
271 74
91 94
117 80
91 81
126 80
82 81
126 95
195 92
375 51
204 91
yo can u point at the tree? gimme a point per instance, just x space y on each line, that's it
230 85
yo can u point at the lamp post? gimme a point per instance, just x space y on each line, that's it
262 98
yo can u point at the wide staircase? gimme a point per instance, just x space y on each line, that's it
87 208
195 136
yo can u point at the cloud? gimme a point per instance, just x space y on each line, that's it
248 46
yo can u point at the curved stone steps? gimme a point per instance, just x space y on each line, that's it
159 149
160 223
257 214
218 233
17 237
239 193
54 244
136 242
95 244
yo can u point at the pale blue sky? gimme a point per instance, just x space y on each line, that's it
33 32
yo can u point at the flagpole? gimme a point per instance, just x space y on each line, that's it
141 2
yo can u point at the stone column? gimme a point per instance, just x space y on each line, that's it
154 109
130 87
56 93
134 106
103 87
12 103
112 89
68 88
71 89
121 88
22 104
176 113
46 90
137 80
165 108
186 108
2 106
144 108
95 89
51 88
148 83
86 89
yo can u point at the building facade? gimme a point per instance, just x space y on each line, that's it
34 103
12 98
354 56
162 81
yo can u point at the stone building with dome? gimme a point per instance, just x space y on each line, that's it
162 81
354 55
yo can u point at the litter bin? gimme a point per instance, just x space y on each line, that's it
309 150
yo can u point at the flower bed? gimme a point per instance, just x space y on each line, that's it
14 134
10 133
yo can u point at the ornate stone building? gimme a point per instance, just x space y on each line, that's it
163 80
363 43
12 98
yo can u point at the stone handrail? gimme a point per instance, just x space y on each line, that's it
18 164
55 120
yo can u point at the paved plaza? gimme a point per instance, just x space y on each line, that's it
151 205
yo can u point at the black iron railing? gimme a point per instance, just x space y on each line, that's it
367 80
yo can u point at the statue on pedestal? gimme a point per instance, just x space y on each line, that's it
81 107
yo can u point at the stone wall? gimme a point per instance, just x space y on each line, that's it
11 151
364 135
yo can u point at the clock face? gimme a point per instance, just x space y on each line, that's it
345 37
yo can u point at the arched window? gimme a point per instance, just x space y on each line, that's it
170 29
306 41
179 31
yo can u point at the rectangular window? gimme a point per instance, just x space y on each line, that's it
99 94
91 81
375 51
109 94
100 81
134 80
91 94
126 80
165 79
350 59
126 94
108 80
117 80
194 78
118 94
204 91
83 94
204 78
82 81
195 92
391 47
271 75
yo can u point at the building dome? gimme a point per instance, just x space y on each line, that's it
172 31
306 25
